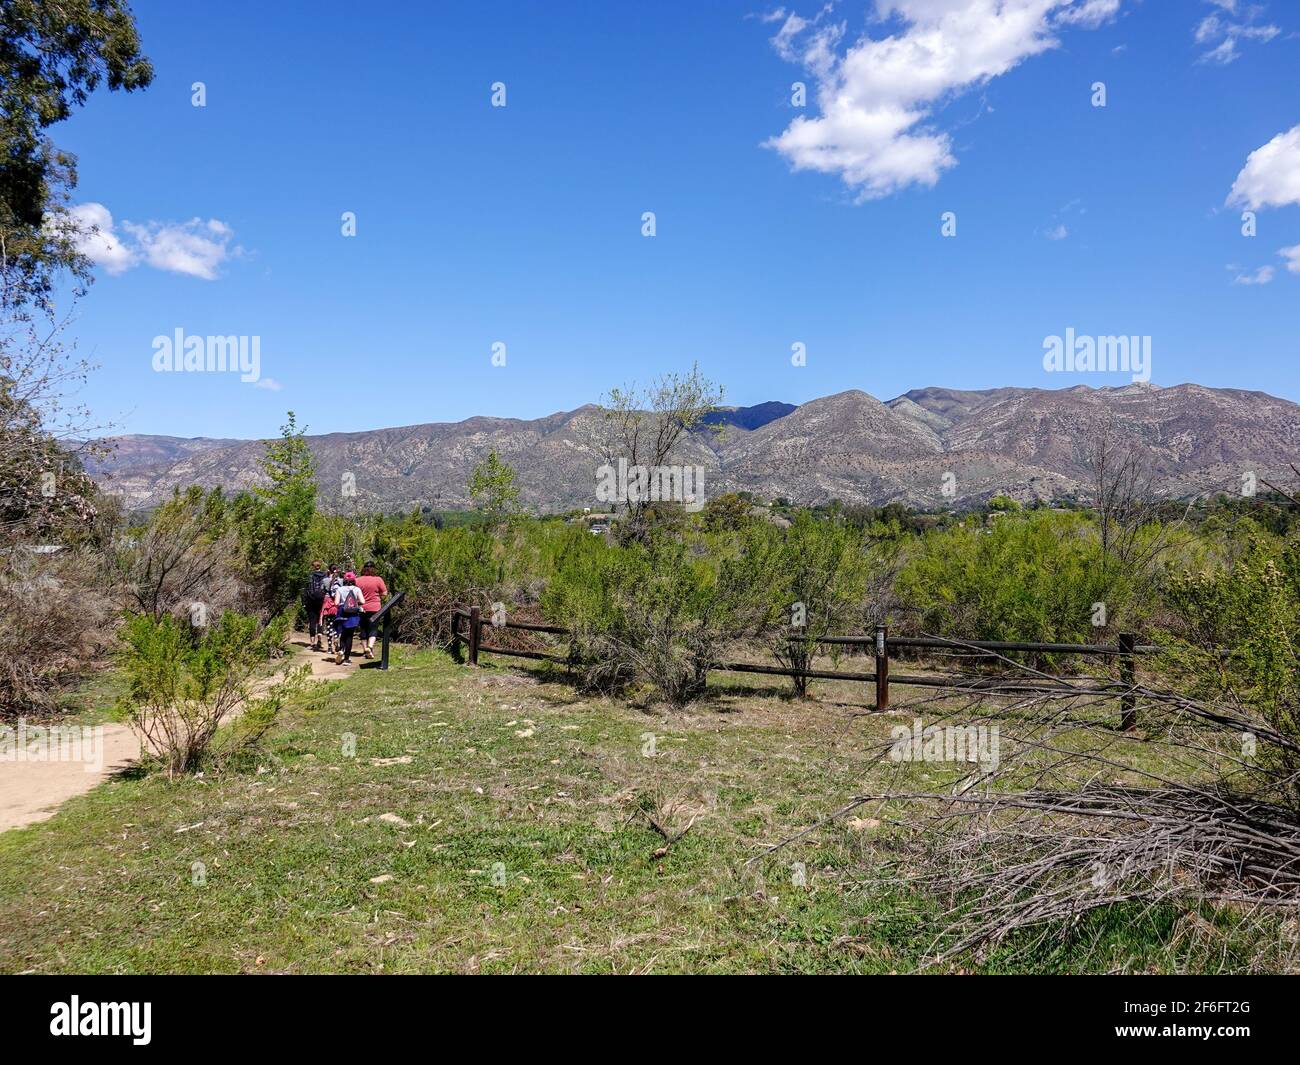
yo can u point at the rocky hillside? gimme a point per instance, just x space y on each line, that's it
1024 442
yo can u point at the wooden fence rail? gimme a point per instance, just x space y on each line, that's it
880 643
386 616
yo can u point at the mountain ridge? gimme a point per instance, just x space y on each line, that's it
931 447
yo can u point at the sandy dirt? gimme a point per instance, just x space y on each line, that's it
33 791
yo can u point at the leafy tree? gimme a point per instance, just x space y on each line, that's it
493 490
53 54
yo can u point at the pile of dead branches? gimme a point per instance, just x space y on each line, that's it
1009 862
1073 818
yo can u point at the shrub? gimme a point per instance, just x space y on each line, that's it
441 569
1237 640
645 611
1033 577
185 682
347 541
823 576
792 587
469 565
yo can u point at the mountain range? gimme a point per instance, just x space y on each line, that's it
1028 443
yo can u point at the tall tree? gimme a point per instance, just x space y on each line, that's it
277 545
493 490
53 54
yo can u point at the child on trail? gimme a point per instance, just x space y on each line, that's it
349 600
375 590
313 596
329 614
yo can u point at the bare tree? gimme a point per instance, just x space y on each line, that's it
645 426
1129 508
176 562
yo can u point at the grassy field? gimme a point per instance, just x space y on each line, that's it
492 820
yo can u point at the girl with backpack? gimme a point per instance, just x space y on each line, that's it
329 613
349 599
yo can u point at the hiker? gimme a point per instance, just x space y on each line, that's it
312 597
375 591
349 599
329 611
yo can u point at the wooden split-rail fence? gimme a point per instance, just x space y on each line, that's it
880 643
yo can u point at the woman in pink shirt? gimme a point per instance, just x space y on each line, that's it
375 590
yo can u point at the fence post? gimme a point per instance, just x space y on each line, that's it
475 619
383 650
1128 711
882 668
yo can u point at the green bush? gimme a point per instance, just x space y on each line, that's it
1034 576
647 611
1239 630
792 587
184 683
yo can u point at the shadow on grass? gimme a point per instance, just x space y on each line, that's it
136 770
720 697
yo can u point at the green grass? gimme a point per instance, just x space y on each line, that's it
529 852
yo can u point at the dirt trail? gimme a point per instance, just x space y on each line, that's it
33 791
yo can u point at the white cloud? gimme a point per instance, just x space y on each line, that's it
1089 13
1265 274
95 238
1058 232
196 247
1271 176
269 383
1225 31
1262 276
876 98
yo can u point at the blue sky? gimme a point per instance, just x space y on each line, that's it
523 224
